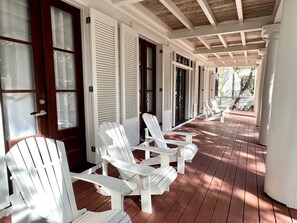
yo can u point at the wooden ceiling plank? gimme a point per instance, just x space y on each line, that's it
239 10
207 11
232 27
230 49
177 13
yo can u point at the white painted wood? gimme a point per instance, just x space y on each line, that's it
204 42
281 169
186 149
211 115
177 13
167 88
239 10
230 49
104 50
125 2
4 193
223 40
40 169
237 58
243 40
248 25
129 82
207 11
149 180
278 11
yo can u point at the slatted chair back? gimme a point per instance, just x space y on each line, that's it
154 129
40 169
115 141
208 109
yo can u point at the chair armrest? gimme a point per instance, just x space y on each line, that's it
112 184
174 142
181 133
156 150
139 169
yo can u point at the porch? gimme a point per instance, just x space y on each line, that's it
224 183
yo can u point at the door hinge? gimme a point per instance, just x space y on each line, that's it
91 89
88 20
93 149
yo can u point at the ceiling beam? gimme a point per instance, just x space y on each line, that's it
237 64
231 55
125 2
223 40
207 11
217 56
243 40
239 10
278 11
229 49
204 42
226 28
177 13
236 58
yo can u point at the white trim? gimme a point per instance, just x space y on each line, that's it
239 10
207 11
230 49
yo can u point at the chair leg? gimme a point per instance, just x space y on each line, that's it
117 201
180 165
146 200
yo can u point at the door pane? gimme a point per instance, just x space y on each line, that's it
14 19
67 110
149 79
149 55
149 102
17 109
16 66
62 29
64 71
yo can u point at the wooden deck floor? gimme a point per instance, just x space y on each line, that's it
224 183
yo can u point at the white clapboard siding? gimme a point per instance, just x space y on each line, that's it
129 82
104 49
167 88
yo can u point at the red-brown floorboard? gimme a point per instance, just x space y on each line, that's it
224 182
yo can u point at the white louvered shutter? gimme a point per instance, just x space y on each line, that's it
130 82
167 88
104 49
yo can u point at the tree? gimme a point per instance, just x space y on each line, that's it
246 84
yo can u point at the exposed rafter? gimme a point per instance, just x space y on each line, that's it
223 40
239 10
177 13
205 43
231 55
207 11
125 2
217 56
277 11
234 27
243 40
236 58
237 64
230 49
245 54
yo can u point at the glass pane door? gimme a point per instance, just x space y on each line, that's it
16 69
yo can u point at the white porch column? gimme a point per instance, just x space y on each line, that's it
271 34
259 85
281 160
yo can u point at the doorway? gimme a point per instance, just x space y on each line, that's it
147 88
180 95
41 74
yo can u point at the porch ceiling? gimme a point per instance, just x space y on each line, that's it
220 32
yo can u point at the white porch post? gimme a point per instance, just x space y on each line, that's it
281 160
259 85
271 34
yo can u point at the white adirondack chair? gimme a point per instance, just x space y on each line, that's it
117 150
213 115
186 149
40 170
217 108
